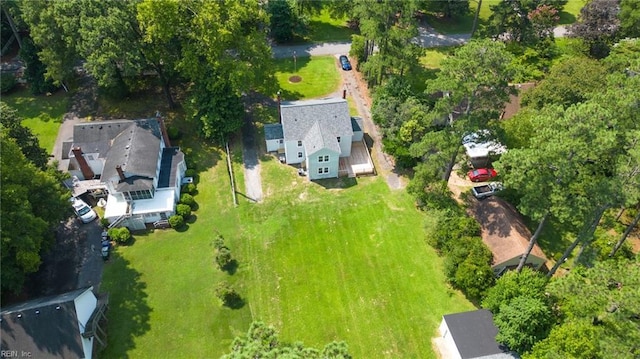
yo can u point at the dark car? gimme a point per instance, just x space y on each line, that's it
344 62
482 174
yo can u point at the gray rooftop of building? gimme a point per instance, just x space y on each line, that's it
332 115
136 150
475 333
44 327
273 131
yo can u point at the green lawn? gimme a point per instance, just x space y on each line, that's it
571 11
464 24
338 260
42 114
433 57
319 76
324 28
335 260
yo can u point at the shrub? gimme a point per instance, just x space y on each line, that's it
228 295
218 242
173 132
187 199
7 82
176 221
223 257
104 222
183 210
189 188
120 234
190 172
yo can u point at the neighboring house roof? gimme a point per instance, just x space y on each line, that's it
96 137
503 230
478 145
45 327
171 158
273 132
136 149
331 115
513 106
475 335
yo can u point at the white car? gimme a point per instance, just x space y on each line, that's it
83 211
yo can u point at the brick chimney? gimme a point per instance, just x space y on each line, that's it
87 172
344 94
163 129
120 173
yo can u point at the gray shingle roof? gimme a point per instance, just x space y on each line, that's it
171 158
318 138
331 115
95 137
45 327
136 149
273 132
475 334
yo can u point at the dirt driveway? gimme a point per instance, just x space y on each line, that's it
357 89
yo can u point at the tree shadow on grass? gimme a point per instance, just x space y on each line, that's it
335 183
231 267
128 313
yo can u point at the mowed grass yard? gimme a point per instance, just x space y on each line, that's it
339 260
335 260
42 114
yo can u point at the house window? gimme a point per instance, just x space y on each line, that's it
299 154
280 141
320 170
338 139
319 158
326 158
299 143
326 170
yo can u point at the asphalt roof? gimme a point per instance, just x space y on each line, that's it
273 131
44 327
319 138
331 115
503 230
475 333
136 149
171 158
96 137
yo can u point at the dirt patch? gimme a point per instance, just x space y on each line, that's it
295 79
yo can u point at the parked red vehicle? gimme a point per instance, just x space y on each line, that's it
482 174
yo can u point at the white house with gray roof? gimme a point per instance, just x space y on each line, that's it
314 134
134 162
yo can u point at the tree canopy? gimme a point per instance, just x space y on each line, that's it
261 341
33 203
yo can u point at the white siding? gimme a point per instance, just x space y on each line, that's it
314 164
85 304
275 145
291 150
345 146
448 341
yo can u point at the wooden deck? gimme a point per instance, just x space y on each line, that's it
359 163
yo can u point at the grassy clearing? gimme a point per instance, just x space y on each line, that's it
571 10
433 57
342 259
324 28
42 114
320 76
463 24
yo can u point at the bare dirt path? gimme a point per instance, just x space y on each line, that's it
251 164
357 89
